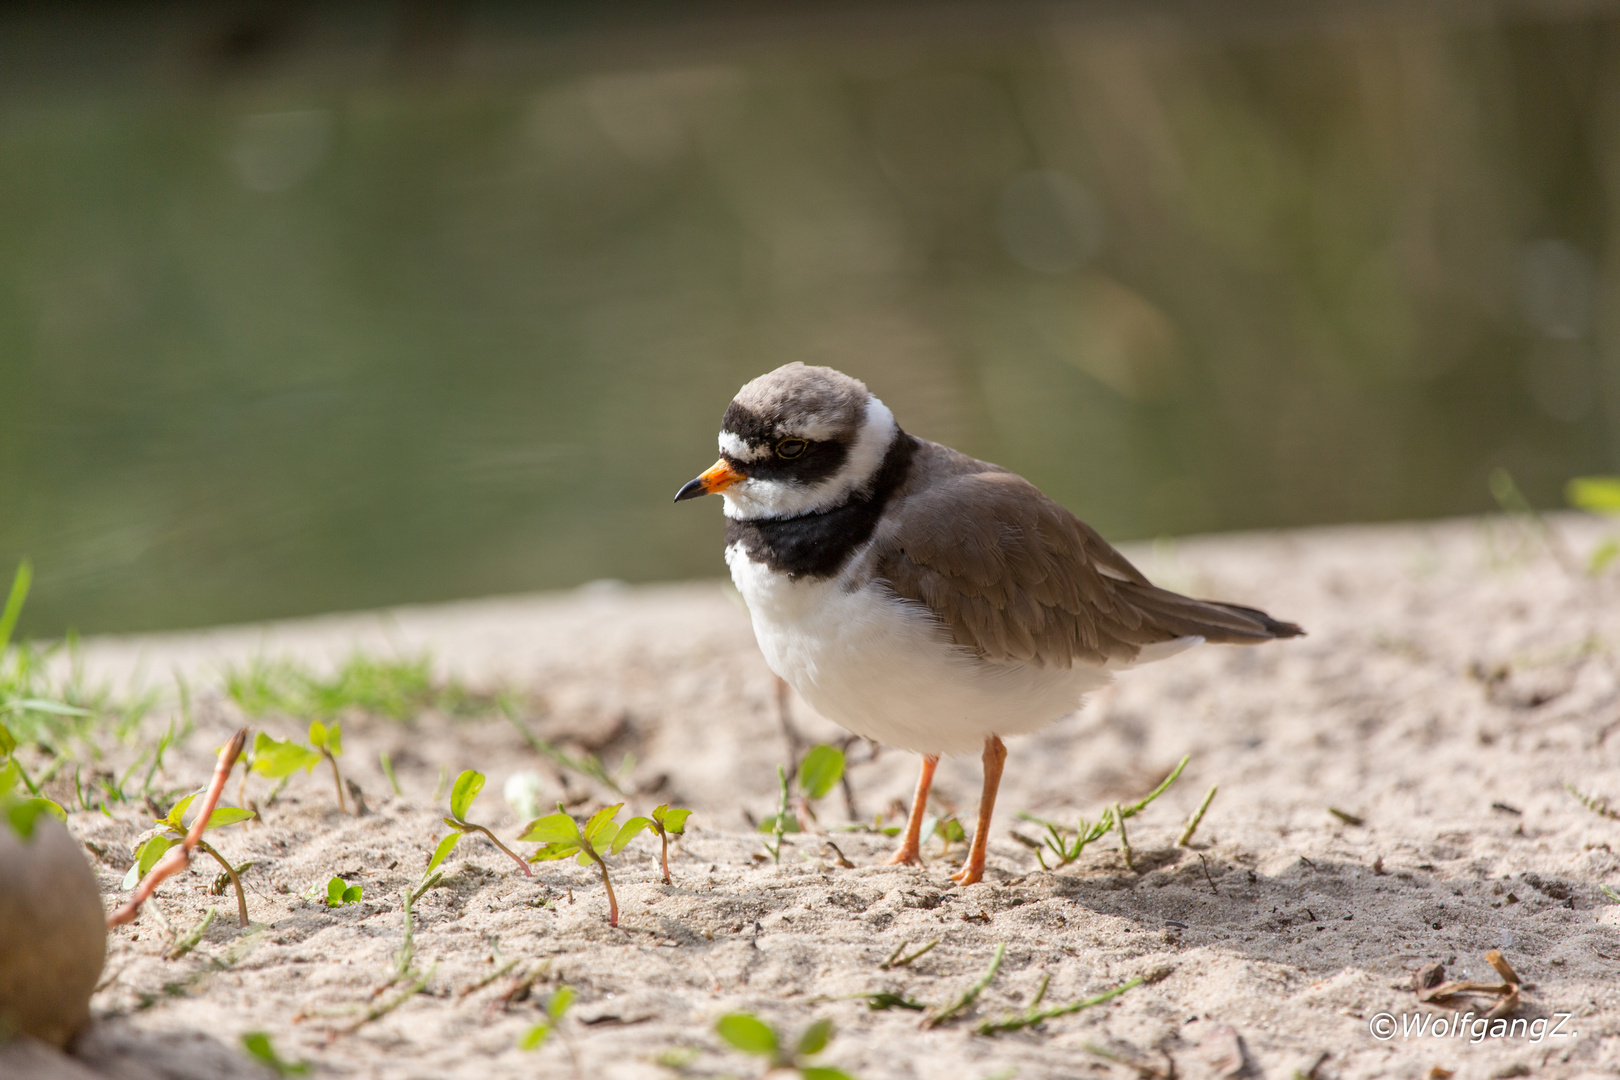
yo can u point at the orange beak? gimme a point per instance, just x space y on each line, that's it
718 477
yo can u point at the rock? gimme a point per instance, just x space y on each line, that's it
53 933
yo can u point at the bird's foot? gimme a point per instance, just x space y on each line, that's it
906 856
970 874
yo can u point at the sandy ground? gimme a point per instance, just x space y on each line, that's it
1456 676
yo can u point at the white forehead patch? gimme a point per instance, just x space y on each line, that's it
733 446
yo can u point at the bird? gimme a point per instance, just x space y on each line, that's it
922 598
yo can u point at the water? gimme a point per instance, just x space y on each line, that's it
310 315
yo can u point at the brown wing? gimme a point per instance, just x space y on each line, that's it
1015 576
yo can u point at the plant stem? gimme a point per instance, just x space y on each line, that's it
428 883
185 944
1124 841
965 1002
343 806
179 856
664 836
779 826
241 898
1032 1016
1198 816
613 901
469 827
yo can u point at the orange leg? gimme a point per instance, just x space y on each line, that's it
919 805
995 755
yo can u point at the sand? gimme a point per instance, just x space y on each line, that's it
1456 677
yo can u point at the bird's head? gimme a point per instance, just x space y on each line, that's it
796 441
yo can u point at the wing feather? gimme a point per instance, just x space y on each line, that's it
1014 576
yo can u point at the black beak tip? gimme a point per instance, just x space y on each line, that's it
691 490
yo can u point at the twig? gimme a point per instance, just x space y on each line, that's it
191 937
1198 816
179 857
965 1002
1033 1016
895 960
1205 864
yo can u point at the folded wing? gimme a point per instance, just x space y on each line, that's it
1015 576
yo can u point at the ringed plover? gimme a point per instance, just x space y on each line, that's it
922 598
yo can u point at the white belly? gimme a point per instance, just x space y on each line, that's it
885 668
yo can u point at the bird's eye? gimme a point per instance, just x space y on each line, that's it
790 448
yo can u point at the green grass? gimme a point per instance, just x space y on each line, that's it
399 688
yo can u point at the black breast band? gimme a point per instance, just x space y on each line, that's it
818 544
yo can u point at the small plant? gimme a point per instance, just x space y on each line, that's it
172 831
751 1035
667 822
340 892
21 810
818 774
276 759
257 1045
466 789
1066 844
1597 495
560 836
556 1005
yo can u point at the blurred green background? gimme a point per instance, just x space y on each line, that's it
315 307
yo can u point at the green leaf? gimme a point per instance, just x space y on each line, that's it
334 892
317 734
14 602
24 814
468 785
559 1002
55 708
176 817
11 775
551 829
674 821
585 857
274 758
446 846
628 833
353 893
821 768
146 857
334 740
257 1045
816 1072
227 815
596 829
814 1039
1599 494
8 742
557 849
535 1037
747 1033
